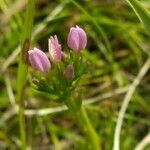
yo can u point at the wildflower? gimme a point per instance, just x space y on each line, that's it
69 72
77 39
39 60
54 49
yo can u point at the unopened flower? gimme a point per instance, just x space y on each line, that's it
77 39
54 49
69 72
39 60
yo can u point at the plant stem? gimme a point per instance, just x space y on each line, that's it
22 68
88 128
85 123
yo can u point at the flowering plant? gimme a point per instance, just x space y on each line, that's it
60 76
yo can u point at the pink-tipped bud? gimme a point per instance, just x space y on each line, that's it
69 72
77 39
54 49
39 60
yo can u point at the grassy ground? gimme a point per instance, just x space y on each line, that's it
118 46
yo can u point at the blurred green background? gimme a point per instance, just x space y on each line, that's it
117 48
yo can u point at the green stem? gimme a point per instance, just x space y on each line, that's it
54 137
88 128
22 68
85 123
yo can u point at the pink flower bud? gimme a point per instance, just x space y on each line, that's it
54 49
77 39
69 72
39 60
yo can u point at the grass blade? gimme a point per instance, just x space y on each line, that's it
142 13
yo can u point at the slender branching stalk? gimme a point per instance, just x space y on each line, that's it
85 123
89 130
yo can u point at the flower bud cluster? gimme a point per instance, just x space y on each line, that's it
76 40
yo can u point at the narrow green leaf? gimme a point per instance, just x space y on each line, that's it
142 13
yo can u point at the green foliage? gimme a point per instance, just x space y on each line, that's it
129 50
142 13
